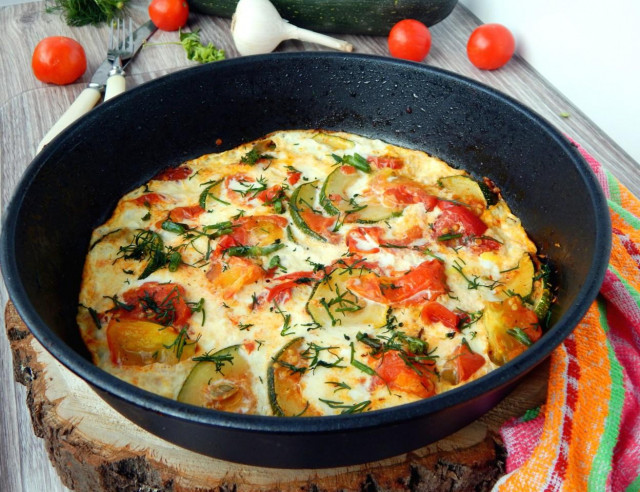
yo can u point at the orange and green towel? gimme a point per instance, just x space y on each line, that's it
587 435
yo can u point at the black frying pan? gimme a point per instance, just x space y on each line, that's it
72 186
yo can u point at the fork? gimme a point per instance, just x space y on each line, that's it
120 48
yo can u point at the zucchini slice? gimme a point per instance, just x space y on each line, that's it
542 296
468 190
303 198
331 303
519 281
222 382
336 185
334 141
375 212
283 381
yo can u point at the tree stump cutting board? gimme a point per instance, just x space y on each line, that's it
94 448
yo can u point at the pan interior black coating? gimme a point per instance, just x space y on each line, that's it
73 185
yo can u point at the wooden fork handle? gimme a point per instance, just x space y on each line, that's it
87 99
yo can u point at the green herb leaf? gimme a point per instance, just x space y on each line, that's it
83 12
520 335
196 51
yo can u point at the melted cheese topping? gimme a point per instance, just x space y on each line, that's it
366 259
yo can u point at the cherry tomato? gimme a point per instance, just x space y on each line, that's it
409 39
58 60
490 46
169 15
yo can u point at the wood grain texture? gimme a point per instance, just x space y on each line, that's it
28 108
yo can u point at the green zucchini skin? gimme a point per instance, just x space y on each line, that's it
370 17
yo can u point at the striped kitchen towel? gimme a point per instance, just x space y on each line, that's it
587 435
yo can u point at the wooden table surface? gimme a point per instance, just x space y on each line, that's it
28 108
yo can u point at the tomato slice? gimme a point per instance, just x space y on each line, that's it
281 292
174 173
239 273
457 219
415 379
149 199
364 239
181 214
320 224
294 177
258 230
270 194
347 169
160 303
386 162
134 342
434 312
463 364
423 283
399 191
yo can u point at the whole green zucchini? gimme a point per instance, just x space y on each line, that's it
371 17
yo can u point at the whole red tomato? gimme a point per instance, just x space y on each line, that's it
58 60
169 15
490 46
409 39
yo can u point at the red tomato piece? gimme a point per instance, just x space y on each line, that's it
320 224
402 191
515 314
457 219
409 39
160 303
434 312
364 239
181 214
282 291
58 60
174 173
425 282
490 46
226 242
269 194
388 162
169 15
149 199
259 230
347 169
399 376
294 177
463 364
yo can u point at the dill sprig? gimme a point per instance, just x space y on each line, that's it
82 12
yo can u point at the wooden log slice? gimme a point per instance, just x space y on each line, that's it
94 448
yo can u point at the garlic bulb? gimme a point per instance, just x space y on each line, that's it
257 28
